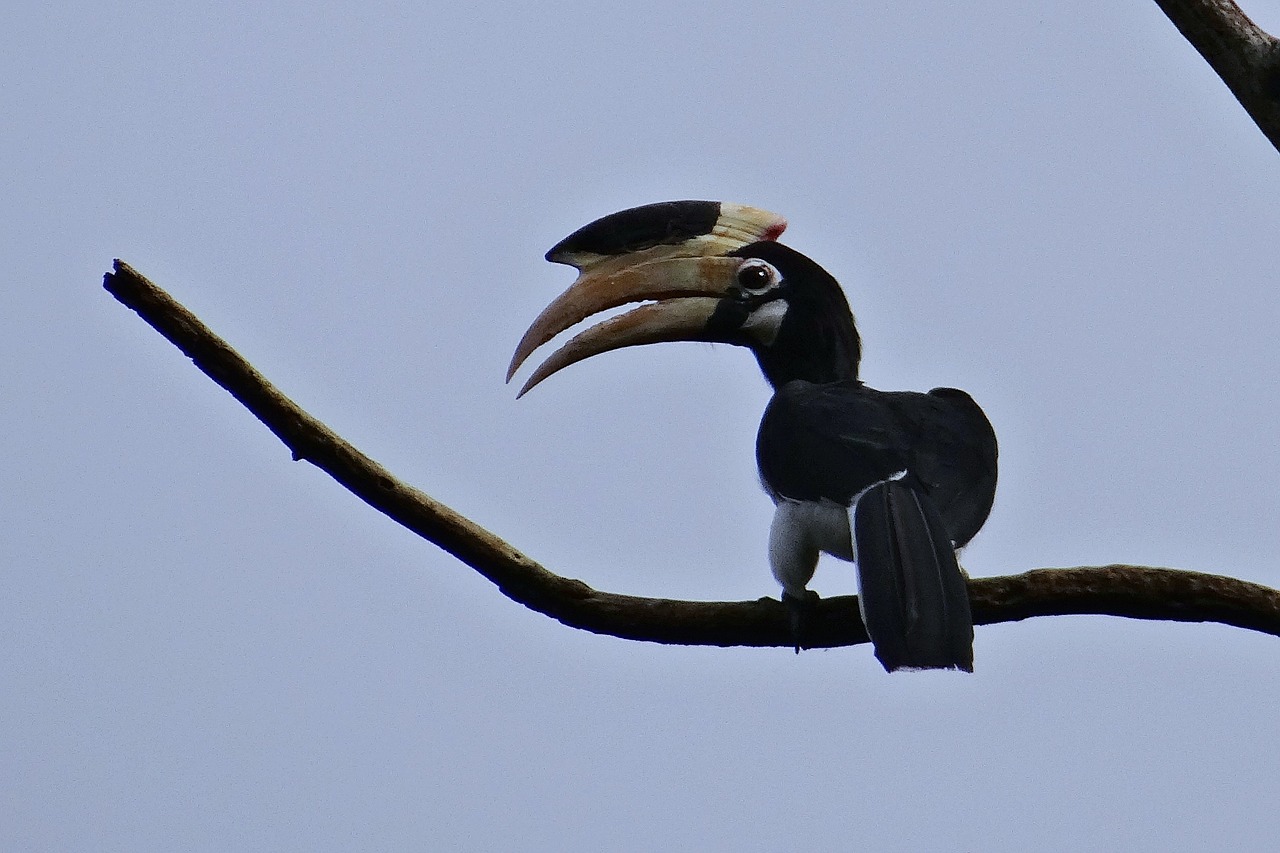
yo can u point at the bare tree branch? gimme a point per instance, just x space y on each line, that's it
1245 57
1135 591
1248 61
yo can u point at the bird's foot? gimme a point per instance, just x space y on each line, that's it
800 608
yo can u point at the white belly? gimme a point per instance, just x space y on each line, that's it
801 530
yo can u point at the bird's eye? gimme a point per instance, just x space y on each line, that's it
757 276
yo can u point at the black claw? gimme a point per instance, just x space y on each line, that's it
800 608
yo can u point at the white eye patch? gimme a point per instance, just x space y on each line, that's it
763 323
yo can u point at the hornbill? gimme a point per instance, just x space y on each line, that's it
895 481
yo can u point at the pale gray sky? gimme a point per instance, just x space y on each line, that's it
206 646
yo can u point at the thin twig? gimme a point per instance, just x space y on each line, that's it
1134 591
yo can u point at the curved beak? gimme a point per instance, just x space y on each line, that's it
683 319
688 291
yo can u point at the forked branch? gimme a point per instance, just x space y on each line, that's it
1134 591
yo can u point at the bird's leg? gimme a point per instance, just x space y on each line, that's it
800 608
793 555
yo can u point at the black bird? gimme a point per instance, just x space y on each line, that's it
895 481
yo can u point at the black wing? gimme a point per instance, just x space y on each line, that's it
832 441
954 455
828 441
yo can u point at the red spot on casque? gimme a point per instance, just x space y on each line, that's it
775 231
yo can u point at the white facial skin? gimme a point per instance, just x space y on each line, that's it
757 277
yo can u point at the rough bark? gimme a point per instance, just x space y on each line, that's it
1243 55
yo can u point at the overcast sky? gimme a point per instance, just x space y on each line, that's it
207 646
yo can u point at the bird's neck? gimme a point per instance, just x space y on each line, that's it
815 352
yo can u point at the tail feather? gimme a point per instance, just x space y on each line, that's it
914 598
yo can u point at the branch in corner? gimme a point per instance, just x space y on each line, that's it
1242 53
